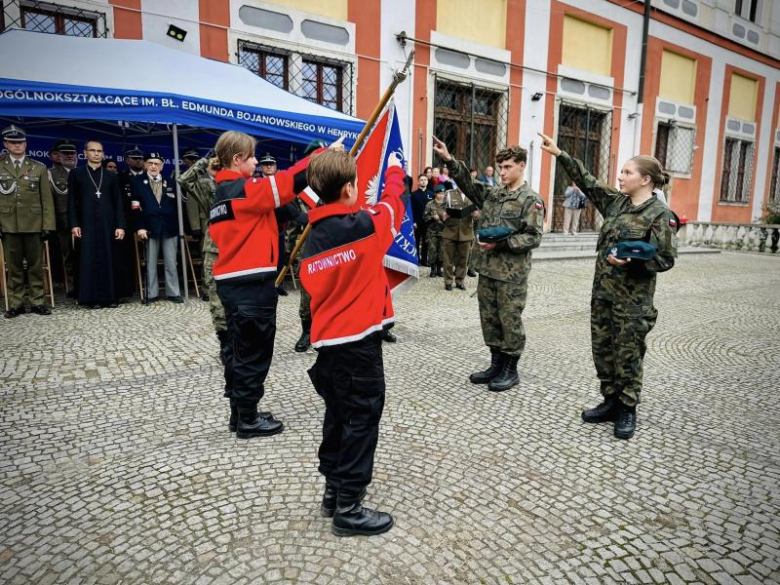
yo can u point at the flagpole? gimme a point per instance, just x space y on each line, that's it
398 78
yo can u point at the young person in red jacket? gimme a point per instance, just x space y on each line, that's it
243 226
342 270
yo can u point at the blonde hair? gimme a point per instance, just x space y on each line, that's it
329 171
230 144
649 166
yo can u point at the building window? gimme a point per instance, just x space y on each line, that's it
674 147
324 81
321 83
747 9
737 171
37 18
774 190
273 67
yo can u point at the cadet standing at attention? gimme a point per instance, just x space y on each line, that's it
517 212
26 220
637 240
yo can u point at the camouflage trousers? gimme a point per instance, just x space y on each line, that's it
215 305
501 307
618 334
435 250
304 309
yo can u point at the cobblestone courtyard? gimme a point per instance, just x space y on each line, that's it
117 465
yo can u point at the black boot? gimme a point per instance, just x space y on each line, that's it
486 376
223 337
233 421
330 499
439 271
508 376
625 422
433 271
252 424
351 518
305 340
604 412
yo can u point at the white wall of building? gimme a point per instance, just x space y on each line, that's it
158 15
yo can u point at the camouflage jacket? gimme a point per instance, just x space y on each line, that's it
521 210
432 217
26 205
651 221
200 188
58 177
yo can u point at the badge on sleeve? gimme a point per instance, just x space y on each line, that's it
672 222
538 206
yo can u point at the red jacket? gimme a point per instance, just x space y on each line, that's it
242 222
342 265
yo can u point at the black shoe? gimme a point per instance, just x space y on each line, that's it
433 272
508 376
388 336
351 518
254 424
11 313
604 412
304 341
330 499
176 299
150 300
447 287
439 270
625 423
460 286
494 370
204 297
40 310
233 421
113 305
471 272
281 291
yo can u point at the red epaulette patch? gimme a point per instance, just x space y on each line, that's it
538 206
672 222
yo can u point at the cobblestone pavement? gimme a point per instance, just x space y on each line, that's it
117 466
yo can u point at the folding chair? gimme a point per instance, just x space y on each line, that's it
187 241
3 282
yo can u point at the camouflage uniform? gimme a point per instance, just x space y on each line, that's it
58 178
503 271
304 308
432 218
201 188
622 311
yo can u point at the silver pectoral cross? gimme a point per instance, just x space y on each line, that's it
98 194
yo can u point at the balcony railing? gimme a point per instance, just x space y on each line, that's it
731 236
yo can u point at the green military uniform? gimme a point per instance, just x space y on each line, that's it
432 218
26 212
503 271
457 235
58 179
622 311
201 188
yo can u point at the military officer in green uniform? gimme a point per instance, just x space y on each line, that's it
199 183
622 311
26 220
457 236
58 178
503 267
198 190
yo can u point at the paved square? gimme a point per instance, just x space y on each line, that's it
117 465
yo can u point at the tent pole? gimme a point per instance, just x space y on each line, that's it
182 243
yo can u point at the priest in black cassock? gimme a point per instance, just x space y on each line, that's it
97 220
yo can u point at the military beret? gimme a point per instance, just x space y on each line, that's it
191 153
495 234
636 249
155 155
314 145
14 134
64 146
134 152
267 159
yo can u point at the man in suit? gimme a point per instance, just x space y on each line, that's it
157 221
26 221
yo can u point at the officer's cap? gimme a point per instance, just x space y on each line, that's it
314 145
267 159
64 146
495 234
154 155
191 153
134 152
636 249
14 134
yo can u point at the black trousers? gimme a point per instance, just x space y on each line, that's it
350 378
250 312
